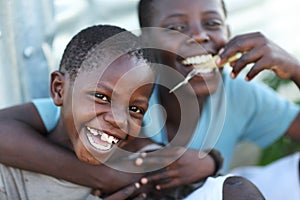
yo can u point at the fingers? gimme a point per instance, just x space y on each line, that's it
242 43
255 70
154 160
170 184
256 49
164 179
159 159
250 57
140 160
160 176
125 193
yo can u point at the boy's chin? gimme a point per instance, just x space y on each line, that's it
204 91
94 160
93 157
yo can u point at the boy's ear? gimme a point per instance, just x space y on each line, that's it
57 87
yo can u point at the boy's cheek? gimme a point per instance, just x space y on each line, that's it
84 156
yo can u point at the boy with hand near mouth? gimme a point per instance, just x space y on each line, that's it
230 111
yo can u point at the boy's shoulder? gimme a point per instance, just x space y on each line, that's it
48 112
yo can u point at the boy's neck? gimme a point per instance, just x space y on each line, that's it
59 136
173 110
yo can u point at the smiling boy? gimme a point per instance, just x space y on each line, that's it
102 107
99 110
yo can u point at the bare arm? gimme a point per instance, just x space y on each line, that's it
264 55
22 145
293 130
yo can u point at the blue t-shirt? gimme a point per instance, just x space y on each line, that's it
238 111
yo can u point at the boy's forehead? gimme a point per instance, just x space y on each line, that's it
170 6
100 60
124 74
108 68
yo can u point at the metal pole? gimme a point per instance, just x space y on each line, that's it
26 34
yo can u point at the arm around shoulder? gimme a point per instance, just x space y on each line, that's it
24 113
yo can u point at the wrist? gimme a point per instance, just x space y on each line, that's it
217 159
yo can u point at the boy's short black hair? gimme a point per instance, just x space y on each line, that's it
89 41
146 11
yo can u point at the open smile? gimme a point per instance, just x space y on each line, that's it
204 64
101 140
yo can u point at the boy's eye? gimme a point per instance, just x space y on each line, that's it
101 97
177 27
136 109
213 23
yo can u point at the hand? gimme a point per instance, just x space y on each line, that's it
188 168
263 53
127 192
117 179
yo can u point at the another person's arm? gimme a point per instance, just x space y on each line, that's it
182 166
258 50
45 157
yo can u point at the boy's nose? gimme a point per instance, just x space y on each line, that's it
198 34
118 118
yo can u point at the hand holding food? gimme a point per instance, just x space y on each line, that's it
256 49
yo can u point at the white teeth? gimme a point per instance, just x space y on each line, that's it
110 139
197 59
93 131
98 146
115 140
103 136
